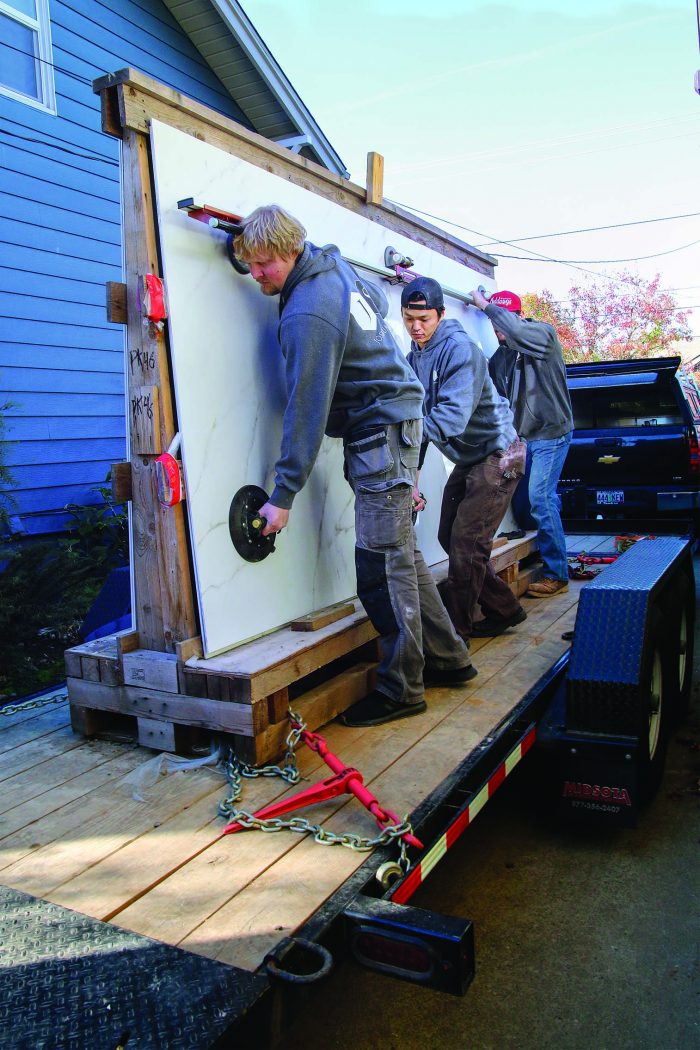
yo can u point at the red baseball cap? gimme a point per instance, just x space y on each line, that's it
509 300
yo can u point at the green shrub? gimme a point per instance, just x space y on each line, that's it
47 589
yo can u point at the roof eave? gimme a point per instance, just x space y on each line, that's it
253 45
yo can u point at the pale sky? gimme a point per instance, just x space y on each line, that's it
514 120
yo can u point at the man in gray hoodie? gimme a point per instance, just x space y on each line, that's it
530 362
472 425
346 377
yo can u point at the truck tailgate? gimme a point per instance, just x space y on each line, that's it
647 455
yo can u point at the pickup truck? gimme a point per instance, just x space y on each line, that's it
634 459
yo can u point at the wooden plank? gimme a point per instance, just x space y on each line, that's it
152 670
188 648
144 414
38 722
83 721
141 99
316 707
115 295
273 662
375 178
278 706
158 880
457 727
526 577
117 880
513 551
53 812
120 480
314 621
157 734
248 924
245 719
47 868
36 753
49 767
127 642
73 664
90 669
165 610
509 574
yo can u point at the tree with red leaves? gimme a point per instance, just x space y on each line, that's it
611 320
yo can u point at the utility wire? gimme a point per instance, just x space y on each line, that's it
591 229
63 149
600 262
534 256
48 62
577 264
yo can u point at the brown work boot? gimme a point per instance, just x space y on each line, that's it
547 588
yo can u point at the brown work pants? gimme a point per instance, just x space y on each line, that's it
473 505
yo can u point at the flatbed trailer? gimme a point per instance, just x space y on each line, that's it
131 921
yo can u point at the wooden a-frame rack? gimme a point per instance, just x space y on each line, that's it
153 681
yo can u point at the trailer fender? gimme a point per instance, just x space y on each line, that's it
631 656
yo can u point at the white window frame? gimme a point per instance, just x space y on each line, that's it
42 27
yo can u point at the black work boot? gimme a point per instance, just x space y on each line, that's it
491 626
435 676
377 708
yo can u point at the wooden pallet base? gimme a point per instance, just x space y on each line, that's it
168 703
178 701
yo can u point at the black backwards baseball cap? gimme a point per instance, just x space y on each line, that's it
422 292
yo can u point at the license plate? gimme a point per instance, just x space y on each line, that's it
609 497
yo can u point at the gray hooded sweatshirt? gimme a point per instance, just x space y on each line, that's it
464 415
343 367
539 394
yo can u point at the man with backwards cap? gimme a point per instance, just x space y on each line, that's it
346 377
529 369
472 425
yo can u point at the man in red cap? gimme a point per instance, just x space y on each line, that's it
528 368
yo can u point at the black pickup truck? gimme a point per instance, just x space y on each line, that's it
634 460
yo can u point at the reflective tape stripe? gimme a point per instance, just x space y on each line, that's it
409 885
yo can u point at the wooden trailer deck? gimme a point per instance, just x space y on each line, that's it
72 833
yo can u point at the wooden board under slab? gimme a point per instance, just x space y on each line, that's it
72 832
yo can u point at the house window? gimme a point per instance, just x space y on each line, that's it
26 72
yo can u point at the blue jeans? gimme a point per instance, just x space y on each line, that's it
547 461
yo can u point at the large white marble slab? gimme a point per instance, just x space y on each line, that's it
229 389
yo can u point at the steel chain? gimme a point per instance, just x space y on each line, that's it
28 705
237 770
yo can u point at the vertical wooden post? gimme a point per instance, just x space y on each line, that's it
165 611
375 178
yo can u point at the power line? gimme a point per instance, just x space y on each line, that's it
63 149
535 256
538 257
599 262
47 62
591 229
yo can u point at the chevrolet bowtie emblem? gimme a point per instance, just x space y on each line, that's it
608 459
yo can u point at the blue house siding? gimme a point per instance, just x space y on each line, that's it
61 362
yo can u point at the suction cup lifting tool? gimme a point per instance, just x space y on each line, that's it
246 525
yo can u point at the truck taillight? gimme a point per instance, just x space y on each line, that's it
694 450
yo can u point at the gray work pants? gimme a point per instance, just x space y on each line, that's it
394 583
